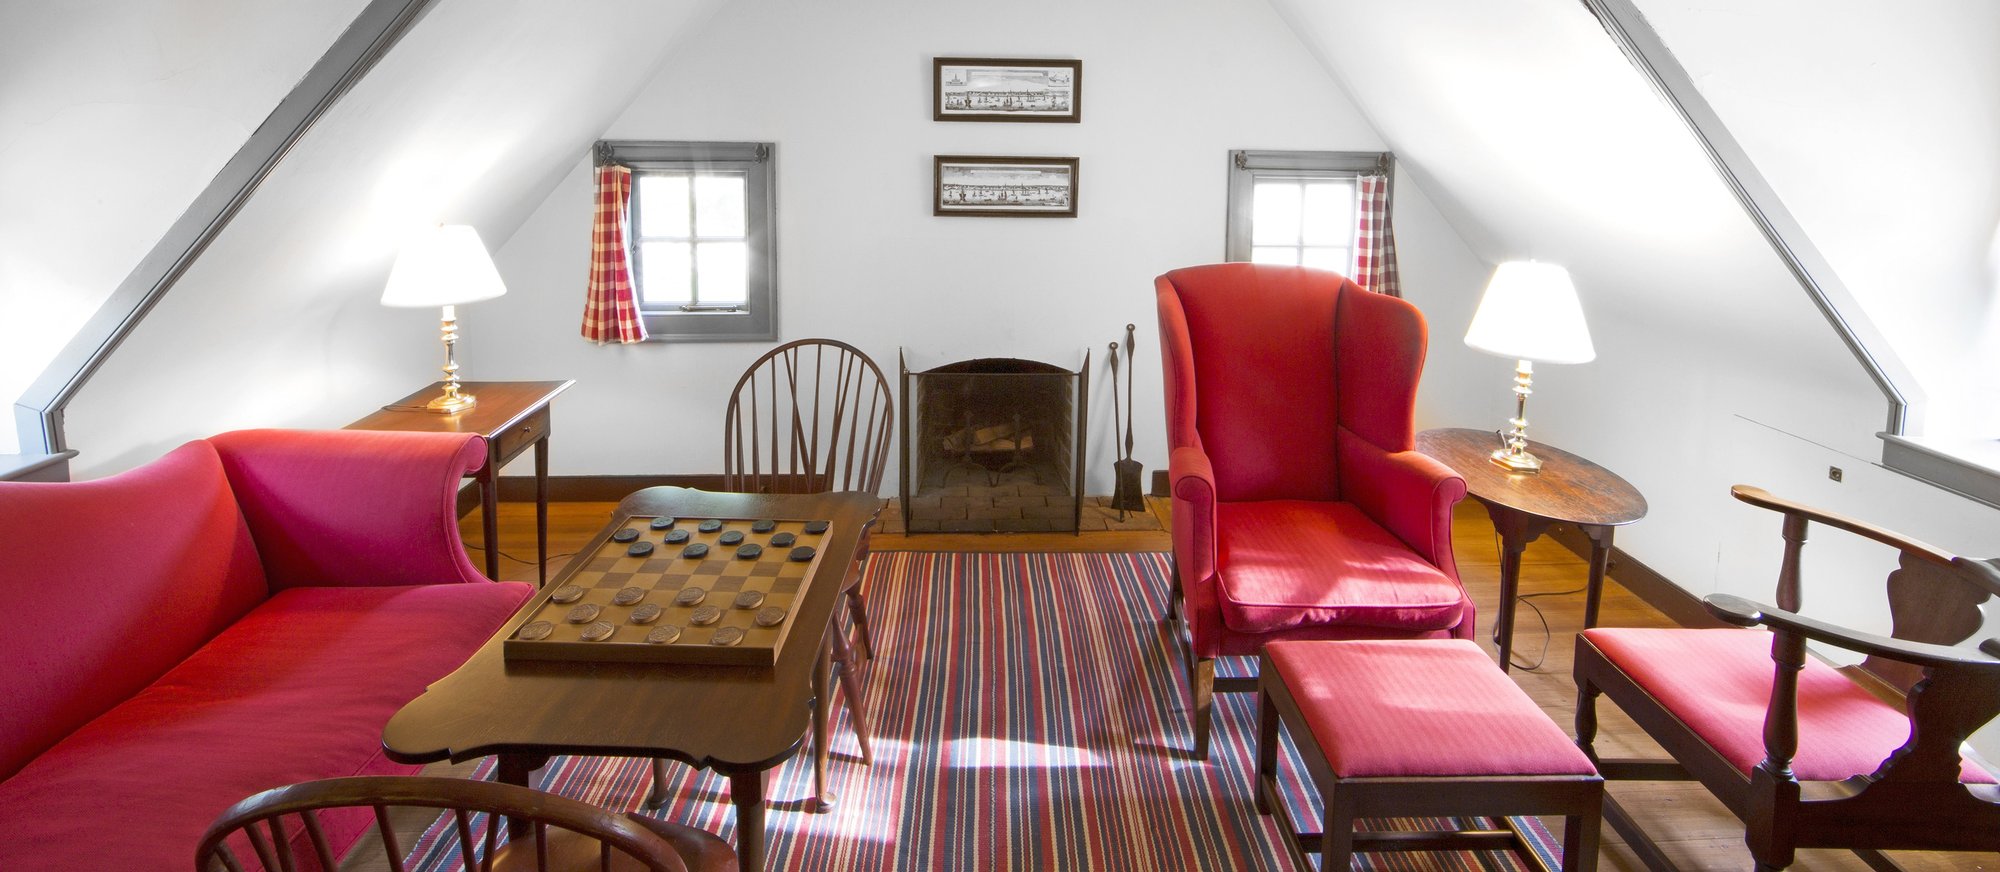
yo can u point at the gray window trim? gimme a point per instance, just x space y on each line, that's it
1246 165
755 160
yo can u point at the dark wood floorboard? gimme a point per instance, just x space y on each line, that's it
1695 830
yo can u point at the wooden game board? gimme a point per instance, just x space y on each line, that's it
621 631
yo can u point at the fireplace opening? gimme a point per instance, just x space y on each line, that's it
993 445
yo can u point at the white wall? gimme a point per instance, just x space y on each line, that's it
1878 124
114 114
470 119
843 91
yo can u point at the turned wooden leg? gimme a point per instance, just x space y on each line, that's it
822 704
1586 719
850 689
657 796
857 609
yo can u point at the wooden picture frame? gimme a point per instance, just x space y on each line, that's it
1009 187
1007 89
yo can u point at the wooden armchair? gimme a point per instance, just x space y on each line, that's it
549 832
1806 756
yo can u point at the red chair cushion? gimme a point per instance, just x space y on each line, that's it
297 690
1288 564
1400 708
1718 682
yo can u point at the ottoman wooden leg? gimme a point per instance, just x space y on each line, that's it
1580 842
1336 839
1266 787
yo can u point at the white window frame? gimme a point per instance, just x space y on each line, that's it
757 318
1246 167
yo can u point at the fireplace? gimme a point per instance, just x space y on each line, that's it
993 445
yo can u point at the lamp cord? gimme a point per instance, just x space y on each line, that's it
471 547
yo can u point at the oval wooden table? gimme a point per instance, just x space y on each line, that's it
738 720
1568 490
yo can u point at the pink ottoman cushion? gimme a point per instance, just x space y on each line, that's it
1718 682
1437 708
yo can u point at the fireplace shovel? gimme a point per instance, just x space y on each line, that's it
1126 495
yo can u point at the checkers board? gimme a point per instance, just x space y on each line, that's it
648 593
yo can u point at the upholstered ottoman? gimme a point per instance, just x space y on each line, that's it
1418 728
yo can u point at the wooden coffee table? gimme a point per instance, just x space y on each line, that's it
737 720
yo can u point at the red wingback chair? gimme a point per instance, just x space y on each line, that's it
1300 509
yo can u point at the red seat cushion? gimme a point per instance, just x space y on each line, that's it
1718 682
1420 707
159 554
297 690
1287 564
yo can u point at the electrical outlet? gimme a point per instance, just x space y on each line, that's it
1833 472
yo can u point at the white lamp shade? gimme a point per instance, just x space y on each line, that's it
1530 312
443 266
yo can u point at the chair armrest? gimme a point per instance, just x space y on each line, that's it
1408 492
1746 613
353 507
1192 480
1761 498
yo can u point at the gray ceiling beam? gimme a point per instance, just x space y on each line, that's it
38 414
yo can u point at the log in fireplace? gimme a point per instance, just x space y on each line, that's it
993 445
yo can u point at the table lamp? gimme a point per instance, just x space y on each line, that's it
1529 312
444 266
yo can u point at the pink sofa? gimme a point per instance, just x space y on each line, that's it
243 613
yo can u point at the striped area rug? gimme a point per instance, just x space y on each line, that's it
1028 714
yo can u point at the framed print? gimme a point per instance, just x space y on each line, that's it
1003 89
1025 187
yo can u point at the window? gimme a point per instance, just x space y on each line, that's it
1297 207
703 254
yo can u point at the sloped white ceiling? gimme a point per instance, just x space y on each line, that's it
113 115
468 120
1879 126
1538 140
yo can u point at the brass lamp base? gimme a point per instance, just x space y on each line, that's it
1512 455
450 403
1517 461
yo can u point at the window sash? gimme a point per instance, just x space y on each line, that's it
1247 169
694 239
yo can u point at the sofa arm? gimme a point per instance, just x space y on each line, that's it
1193 486
1409 493
353 507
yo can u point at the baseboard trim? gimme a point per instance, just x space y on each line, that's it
584 488
1643 581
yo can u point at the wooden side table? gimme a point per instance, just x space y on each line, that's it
512 416
1568 490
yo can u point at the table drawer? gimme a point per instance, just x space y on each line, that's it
517 437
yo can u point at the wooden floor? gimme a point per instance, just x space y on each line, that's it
1694 829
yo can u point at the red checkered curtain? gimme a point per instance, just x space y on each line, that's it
1375 242
611 304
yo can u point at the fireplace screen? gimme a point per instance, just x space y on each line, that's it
994 445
